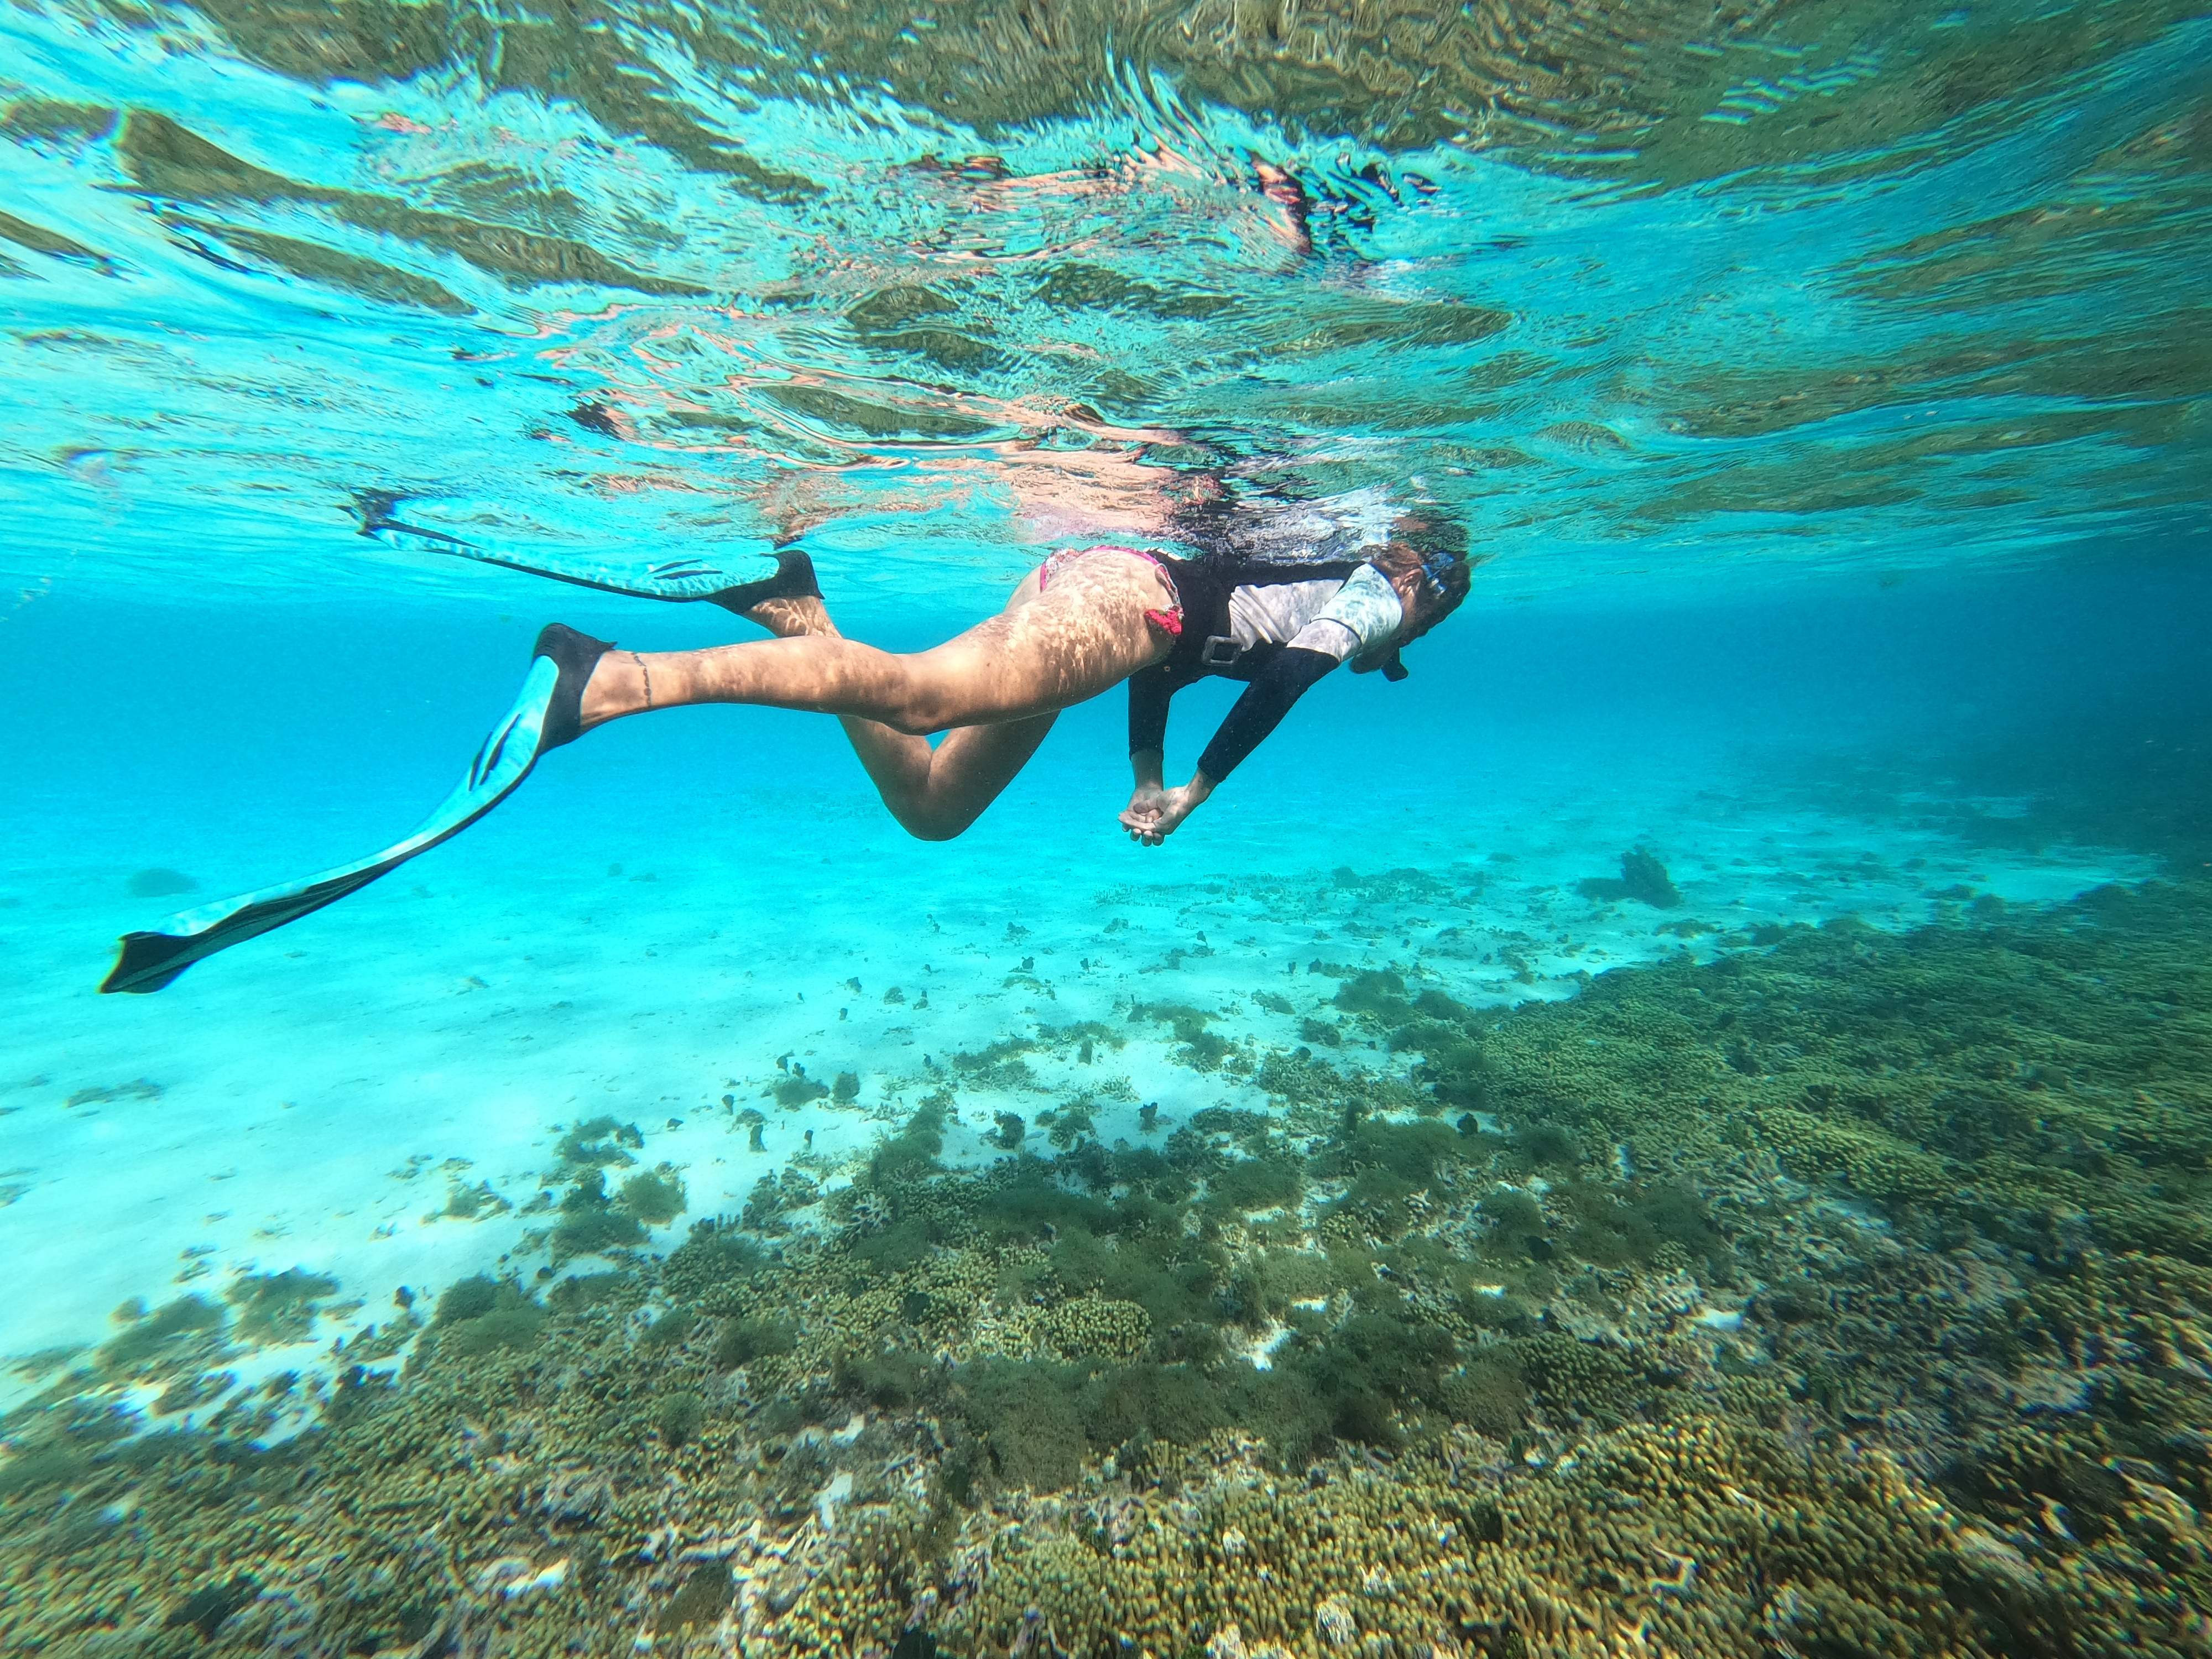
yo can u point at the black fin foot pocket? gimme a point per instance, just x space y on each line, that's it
575 655
793 579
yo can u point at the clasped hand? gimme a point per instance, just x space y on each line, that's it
1153 812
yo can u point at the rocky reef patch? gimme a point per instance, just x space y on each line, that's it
1848 1293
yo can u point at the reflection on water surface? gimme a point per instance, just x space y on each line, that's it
1857 284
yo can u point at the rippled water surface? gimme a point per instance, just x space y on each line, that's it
1653 288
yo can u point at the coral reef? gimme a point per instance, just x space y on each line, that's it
1643 878
1849 1294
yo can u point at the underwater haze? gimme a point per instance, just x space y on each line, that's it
1684 1128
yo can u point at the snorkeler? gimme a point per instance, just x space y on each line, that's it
1283 596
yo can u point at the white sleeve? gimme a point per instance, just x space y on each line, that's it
1362 617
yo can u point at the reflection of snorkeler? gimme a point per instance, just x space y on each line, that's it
1285 592
1284 189
985 182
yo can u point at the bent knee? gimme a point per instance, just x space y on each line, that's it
929 820
935 829
929 824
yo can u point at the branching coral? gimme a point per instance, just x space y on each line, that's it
1852 1295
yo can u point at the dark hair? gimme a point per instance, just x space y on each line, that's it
1434 548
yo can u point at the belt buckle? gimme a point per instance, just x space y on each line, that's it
1220 651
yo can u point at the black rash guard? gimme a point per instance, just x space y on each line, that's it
1279 626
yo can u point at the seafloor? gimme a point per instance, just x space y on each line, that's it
1822 1290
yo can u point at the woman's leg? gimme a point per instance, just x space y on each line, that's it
939 799
935 793
1046 650
998 686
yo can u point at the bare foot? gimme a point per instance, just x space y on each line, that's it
786 618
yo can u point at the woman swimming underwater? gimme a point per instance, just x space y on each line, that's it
1281 595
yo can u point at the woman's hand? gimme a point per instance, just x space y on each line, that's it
1146 802
1153 814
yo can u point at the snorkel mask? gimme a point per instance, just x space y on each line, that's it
1433 566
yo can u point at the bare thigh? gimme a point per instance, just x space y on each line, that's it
938 797
937 793
1051 648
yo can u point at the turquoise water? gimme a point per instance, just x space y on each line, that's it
684 1212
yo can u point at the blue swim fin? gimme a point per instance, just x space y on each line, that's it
546 715
677 580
